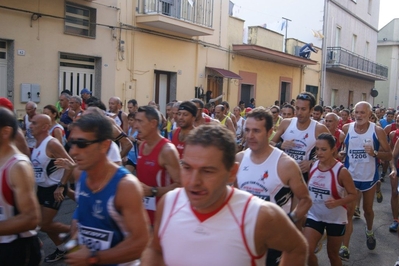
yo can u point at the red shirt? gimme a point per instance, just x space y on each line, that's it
342 123
150 172
179 144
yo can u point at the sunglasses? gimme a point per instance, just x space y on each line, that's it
274 112
83 143
303 97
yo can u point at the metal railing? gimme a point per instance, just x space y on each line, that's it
341 57
199 12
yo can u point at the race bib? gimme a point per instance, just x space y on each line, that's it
94 238
39 175
150 203
359 156
298 156
318 195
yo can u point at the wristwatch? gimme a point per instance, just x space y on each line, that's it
375 153
61 185
154 191
93 259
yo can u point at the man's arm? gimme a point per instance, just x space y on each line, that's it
280 131
128 202
234 120
125 122
291 176
119 135
230 126
23 185
280 234
152 255
55 150
384 152
239 157
21 143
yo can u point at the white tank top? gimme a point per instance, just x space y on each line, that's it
262 180
46 173
63 133
187 239
324 185
304 140
240 124
30 139
7 202
361 165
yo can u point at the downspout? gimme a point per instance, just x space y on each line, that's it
324 53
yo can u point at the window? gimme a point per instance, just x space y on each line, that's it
3 50
334 95
338 36
364 96
370 6
80 20
366 50
354 39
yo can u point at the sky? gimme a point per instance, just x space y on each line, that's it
259 13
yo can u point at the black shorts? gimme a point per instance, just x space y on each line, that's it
331 229
273 257
45 196
22 251
129 162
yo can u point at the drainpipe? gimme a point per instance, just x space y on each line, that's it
324 52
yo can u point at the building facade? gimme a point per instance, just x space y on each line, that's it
388 54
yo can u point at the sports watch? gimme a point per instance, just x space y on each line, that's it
154 191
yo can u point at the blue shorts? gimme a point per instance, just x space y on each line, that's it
364 186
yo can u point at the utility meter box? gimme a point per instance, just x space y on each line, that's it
30 92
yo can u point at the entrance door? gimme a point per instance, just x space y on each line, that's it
164 88
313 90
3 69
285 92
246 93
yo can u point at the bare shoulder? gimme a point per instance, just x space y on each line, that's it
269 212
287 168
129 186
240 156
345 128
321 128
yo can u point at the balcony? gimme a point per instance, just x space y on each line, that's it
186 17
345 62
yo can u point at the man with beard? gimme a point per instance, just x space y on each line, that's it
185 120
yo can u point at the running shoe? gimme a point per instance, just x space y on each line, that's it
371 242
379 196
397 262
356 215
344 253
394 226
57 255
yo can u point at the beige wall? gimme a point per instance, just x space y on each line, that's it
263 37
45 39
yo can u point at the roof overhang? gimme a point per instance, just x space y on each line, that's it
267 54
224 73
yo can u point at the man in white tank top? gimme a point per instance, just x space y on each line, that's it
299 133
269 173
19 208
365 143
30 109
51 182
208 222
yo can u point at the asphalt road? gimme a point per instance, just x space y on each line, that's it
385 254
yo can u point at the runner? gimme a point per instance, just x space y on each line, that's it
365 143
210 223
19 208
331 188
269 173
110 220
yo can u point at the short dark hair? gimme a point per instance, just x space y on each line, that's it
307 96
241 102
346 111
52 109
199 101
289 106
95 123
132 101
95 102
275 107
151 113
225 103
217 136
318 108
259 114
8 119
252 100
329 138
131 115
66 92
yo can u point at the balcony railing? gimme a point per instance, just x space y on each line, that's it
199 12
340 57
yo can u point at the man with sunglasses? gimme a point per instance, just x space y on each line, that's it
158 160
110 222
299 133
19 208
51 181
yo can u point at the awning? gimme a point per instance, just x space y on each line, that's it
225 73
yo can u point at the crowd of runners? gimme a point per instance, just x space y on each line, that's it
205 183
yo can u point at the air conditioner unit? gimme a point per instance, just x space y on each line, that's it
332 55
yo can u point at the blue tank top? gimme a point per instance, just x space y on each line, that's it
100 225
